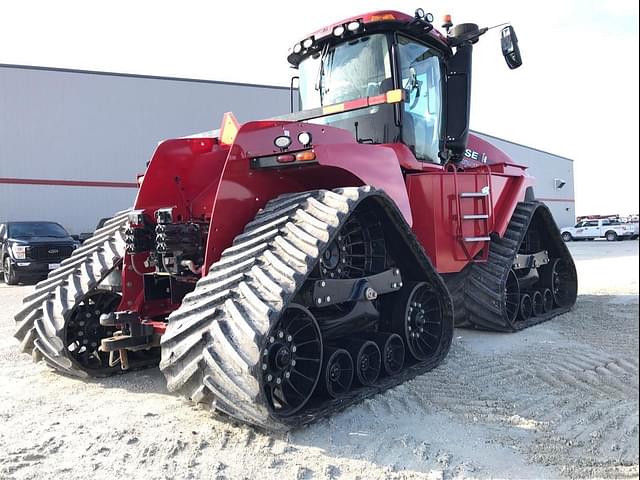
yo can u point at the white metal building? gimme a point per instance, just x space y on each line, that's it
72 142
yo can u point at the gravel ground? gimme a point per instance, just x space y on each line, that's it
557 400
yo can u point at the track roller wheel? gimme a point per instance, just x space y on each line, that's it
417 318
392 349
557 277
547 300
538 303
337 372
526 307
292 361
366 357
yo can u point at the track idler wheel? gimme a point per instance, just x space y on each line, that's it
392 349
292 361
366 358
547 300
557 277
337 372
538 303
526 307
418 319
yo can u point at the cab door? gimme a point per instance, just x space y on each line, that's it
421 77
579 230
592 229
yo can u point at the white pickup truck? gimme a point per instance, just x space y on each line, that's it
602 228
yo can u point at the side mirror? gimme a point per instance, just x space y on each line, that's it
510 49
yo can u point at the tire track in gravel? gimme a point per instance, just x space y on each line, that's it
578 399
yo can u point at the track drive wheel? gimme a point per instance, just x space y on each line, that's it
83 332
512 296
417 318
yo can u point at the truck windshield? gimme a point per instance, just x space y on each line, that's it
36 229
349 71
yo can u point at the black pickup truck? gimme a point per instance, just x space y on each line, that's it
30 250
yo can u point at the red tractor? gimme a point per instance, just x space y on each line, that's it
281 269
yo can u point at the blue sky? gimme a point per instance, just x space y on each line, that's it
576 94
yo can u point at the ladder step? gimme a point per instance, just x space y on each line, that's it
477 239
475 217
474 194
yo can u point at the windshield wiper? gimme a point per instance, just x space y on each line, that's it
318 85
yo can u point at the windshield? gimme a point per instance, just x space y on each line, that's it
349 71
36 229
357 69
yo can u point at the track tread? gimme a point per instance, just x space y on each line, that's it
228 367
40 322
482 304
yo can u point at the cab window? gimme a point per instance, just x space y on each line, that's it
421 78
591 224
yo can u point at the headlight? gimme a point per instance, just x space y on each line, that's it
19 251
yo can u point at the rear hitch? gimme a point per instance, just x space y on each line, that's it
132 335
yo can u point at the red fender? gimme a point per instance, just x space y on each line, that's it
342 162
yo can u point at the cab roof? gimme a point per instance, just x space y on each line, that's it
381 20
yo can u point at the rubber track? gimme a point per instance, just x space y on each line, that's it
210 351
40 323
483 305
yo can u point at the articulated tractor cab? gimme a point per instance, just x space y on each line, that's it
279 270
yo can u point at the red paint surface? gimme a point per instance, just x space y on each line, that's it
220 187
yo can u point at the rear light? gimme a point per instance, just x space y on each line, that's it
287 158
305 156
201 145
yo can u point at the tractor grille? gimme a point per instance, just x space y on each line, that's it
50 252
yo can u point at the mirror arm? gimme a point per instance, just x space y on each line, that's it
471 37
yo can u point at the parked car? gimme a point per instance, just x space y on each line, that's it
602 228
30 250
